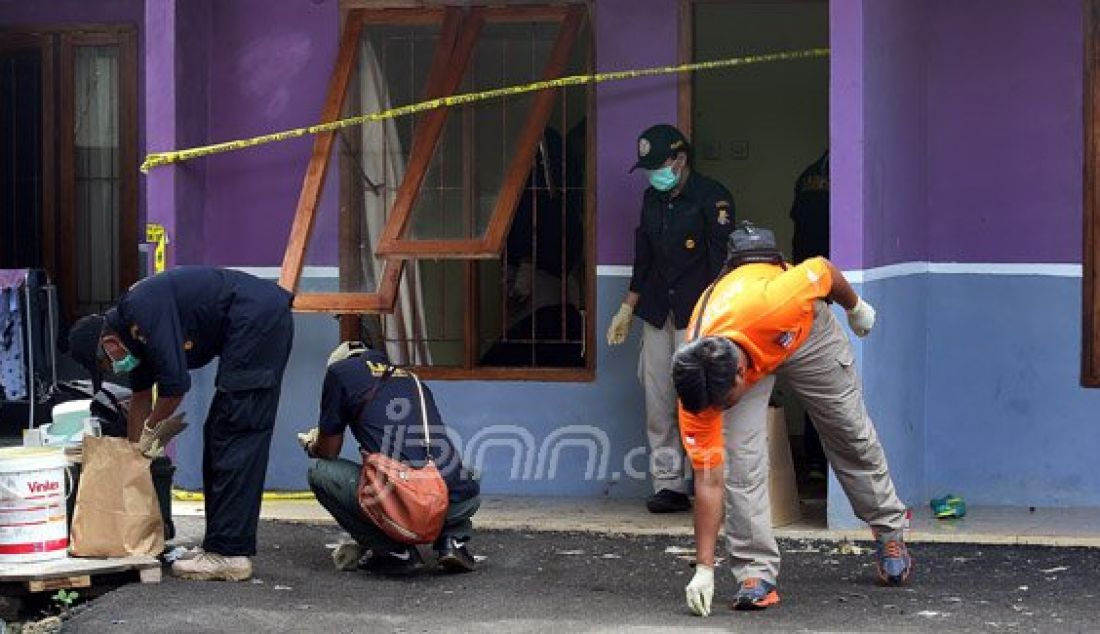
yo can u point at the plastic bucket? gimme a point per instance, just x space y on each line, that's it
33 523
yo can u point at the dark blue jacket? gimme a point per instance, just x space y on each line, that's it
182 318
679 248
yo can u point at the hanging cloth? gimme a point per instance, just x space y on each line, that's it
13 372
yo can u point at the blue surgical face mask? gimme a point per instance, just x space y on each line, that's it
664 178
125 364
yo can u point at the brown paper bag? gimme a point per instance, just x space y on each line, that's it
117 514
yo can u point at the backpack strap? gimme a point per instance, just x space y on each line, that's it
423 413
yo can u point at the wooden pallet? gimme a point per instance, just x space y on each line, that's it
76 572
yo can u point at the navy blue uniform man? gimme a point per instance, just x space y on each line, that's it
810 213
380 405
179 320
679 249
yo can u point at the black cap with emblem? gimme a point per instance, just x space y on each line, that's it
658 143
749 243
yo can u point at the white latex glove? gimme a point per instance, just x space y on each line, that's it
700 591
307 439
861 319
620 325
154 439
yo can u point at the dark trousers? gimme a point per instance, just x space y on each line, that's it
336 484
237 435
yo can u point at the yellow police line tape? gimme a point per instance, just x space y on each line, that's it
158 159
197 496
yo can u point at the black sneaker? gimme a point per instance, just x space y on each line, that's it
455 557
668 501
398 563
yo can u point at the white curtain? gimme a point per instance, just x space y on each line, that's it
95 91
383 161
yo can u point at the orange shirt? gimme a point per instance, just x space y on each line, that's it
768 312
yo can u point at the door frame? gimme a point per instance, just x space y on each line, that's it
125 38
1090 255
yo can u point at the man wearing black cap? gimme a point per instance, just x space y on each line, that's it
679 248
179 320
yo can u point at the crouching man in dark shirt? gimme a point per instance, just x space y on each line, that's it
381 405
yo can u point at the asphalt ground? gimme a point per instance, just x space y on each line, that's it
570 582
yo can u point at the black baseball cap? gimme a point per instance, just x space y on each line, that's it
658 143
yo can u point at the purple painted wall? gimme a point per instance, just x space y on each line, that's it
193 26
846 131
1005 136
59 12
895 225
160 126
627 37
270 71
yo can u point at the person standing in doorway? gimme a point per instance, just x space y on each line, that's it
679 248
810 214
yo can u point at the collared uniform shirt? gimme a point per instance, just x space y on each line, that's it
679 248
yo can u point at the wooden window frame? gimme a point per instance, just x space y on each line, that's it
394 240
1090 281
125 39
444 77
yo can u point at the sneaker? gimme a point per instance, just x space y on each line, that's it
346 556
755 594
191 553
209 566
455 557
396 563
892 559
668 501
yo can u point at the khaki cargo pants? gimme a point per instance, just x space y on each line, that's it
822 373
668 464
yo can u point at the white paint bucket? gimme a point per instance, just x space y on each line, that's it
33 526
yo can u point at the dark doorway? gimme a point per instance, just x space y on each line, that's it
763 132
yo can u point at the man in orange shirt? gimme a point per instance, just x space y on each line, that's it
763 318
